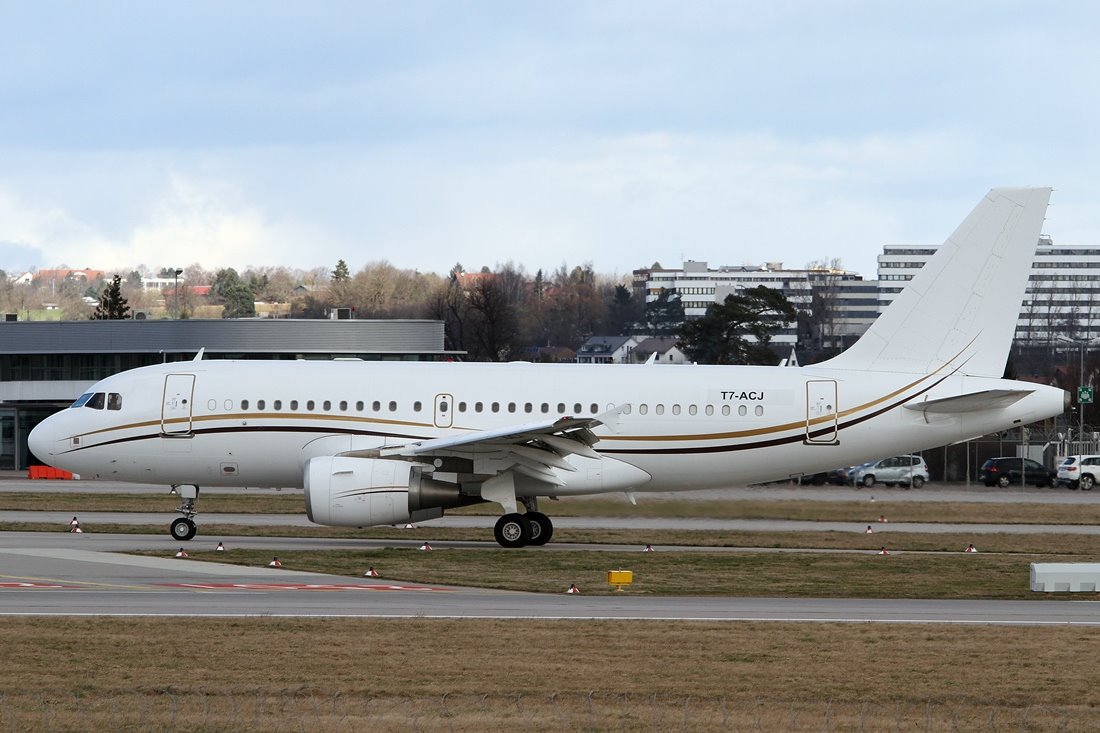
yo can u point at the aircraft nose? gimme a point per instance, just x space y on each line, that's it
42 438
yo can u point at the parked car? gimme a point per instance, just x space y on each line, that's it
839 476
1079 472
1008 470
901 470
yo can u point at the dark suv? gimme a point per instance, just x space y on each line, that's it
1006 471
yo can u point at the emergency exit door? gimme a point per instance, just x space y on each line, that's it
175 414
821 412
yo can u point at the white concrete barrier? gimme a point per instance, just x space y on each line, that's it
1065 577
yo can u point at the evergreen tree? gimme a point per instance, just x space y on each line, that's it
112 306
233 294
341 273
666 314
722 336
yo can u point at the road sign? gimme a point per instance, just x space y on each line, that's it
1084 395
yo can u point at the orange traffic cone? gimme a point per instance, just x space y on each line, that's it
884 551
182 553
426 547
371 573
274 563
573 588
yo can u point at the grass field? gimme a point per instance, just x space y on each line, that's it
429 675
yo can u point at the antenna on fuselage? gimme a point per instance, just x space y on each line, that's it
198 356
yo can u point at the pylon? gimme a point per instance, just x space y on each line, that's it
882 518
274 563
971 548
74 524
409 525
648 548
220 548
182 553
884 551
76 530
869 530
573 588
426 547
371 573
872 500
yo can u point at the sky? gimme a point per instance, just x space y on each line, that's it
617 133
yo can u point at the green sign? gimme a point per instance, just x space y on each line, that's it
1084 395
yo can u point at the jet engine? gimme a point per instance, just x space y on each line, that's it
361 492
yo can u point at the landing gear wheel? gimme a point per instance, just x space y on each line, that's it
541 528
183 529
512 530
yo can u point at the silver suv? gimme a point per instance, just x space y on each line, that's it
901 470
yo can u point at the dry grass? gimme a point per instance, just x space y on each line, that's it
266 674
290 503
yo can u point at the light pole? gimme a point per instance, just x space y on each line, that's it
1081 346
176 272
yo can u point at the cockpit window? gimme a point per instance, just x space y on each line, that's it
114 401
96 401
81 400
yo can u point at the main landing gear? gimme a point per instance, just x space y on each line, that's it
518 530
184 528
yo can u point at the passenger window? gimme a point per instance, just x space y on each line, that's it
593 408
359 406
343 405
660 409
260 404
416 406
527 407
478 407
725 410
561 408
742 410
278 404
244 404
692 409
626 409
577 408
443 406
294 404
545 408
675 409
393 406
643 409
462 407
376 405
96 401
710 410
114 401
496 407
759 410
326 405
310 405
511 407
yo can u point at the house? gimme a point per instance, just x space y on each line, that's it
663 349
607 350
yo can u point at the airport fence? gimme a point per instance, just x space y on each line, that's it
296 711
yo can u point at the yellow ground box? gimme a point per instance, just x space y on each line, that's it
619 578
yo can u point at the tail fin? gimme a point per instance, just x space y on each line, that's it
962 306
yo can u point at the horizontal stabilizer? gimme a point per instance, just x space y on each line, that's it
989 399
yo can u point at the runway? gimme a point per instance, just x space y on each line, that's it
81 575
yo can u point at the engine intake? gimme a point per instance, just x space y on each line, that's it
361 492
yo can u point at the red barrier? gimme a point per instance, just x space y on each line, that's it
48 472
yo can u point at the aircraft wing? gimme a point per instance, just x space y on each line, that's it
534 449
989 399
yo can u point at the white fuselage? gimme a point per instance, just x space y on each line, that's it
256 423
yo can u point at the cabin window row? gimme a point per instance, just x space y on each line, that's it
495 407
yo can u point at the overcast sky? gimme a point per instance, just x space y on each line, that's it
616 133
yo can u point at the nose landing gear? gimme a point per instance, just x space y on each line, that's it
184 528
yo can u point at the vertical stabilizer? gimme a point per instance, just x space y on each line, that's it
962 307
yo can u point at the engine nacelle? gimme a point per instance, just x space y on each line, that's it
361 492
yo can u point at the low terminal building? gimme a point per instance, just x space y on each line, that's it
45 365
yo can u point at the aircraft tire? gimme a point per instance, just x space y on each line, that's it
512 530
542 529
183 529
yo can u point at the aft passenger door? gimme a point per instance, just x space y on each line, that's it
175 414
821 412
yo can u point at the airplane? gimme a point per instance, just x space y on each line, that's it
381 443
